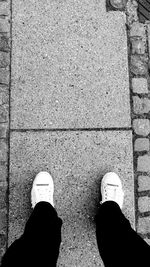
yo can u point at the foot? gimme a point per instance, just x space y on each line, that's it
42 189
111 189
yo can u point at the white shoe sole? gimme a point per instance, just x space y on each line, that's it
42 179
112 179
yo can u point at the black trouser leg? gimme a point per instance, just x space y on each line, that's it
119 245
39 245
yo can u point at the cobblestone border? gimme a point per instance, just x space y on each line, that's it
139 73
5 73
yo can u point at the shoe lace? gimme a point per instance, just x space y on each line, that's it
44 191
110 191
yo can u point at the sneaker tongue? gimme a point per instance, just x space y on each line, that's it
111 191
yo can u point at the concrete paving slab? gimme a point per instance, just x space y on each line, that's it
69 65
77 161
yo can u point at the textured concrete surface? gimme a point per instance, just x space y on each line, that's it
77 161
69 69
69 65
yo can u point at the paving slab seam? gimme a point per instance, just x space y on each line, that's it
72 129
5 84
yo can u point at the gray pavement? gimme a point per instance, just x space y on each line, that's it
70 115
69 66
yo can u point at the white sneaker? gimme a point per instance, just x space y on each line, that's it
111 189
42 189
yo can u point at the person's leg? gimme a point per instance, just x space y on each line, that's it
39 245
119 245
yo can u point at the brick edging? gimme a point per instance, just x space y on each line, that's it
139 70
138 39
5 73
